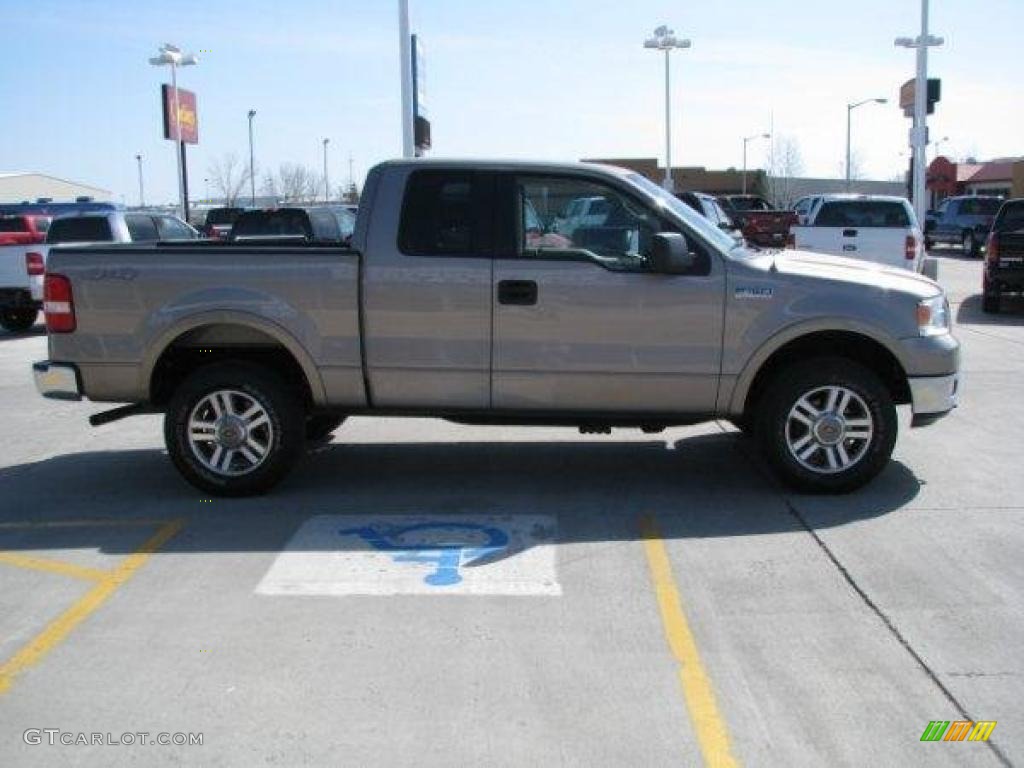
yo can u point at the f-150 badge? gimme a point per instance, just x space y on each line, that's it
753 292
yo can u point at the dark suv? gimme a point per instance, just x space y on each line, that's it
1004 256
963 221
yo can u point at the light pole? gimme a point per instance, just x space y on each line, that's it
327 185
747 140
919 133
849 112
252 163
405 67
142 196
171 55
665 39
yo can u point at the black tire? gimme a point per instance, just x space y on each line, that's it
970 245
18 319
990 303
282 433
870 401
321 426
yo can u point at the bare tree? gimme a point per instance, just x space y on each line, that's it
785 163
228 177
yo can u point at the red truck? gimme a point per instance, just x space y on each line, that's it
758 221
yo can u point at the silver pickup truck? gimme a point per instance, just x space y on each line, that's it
460 299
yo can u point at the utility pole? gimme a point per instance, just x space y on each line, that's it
252 163
405 67
327 184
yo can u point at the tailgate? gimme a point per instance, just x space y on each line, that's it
879 245
12 265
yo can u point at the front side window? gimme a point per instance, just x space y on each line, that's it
599 222
174 229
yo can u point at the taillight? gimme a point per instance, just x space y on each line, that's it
791 240
34 263
58 304
910 248
991 250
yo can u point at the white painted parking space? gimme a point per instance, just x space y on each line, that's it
417 554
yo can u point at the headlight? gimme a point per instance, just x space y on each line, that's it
933 316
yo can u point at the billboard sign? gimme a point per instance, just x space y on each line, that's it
186 127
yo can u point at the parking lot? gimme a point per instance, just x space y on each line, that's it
629 599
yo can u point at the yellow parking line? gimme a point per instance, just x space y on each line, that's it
61 627
53 566
707 721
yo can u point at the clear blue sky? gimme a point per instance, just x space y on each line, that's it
559 79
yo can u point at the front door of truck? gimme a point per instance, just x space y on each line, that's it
581 324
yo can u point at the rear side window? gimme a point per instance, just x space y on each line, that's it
1011 218
982 206
284 222
12 224
441 214
141 228
325 225
80 229
862 213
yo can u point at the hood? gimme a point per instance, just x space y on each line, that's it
838 268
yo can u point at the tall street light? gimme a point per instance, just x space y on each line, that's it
939 143
747 140
919 133
171 55
142 196
327 184
849 112
405 68
252 163
665 39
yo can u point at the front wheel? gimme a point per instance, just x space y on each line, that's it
827 425
970 244
234 429
17 320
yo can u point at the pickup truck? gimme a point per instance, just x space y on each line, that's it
963 221
442 306
19 234
760 223
1004 256
874 228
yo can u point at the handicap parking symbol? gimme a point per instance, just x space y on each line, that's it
443 544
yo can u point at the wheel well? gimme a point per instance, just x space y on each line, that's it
852 346
217 343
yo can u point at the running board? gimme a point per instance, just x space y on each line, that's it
121 412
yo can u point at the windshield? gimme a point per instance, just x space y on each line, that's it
694 220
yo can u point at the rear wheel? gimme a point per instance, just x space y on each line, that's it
234 429
827 425
18 319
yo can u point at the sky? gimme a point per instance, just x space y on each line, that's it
540 79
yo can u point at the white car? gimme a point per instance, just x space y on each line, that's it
876 228
581 212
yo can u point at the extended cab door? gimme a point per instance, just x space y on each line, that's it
427 292
581 324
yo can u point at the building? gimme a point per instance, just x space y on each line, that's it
781 191
32 187
1003 177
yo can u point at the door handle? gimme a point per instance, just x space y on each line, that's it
517 292
849 233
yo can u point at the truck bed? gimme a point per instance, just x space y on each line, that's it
134 299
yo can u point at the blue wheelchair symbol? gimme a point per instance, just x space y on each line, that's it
447 552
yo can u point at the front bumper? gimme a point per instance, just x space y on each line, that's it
933 397
57 381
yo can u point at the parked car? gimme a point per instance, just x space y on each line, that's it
964 221
329 223
876 228
709 207
219 221
581 212
110 227
441 307
19 234
1004 256
760 223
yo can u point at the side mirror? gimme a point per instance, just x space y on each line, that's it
670 254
